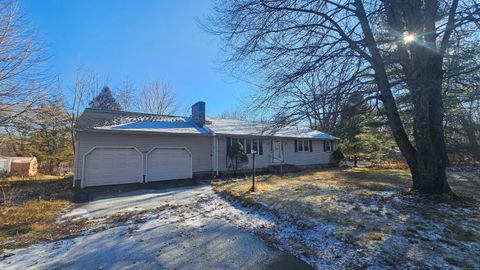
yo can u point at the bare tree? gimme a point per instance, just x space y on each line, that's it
85 88
23 79
157 98
238 113
124 95
396 48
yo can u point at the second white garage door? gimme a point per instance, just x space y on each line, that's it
112 166
169 164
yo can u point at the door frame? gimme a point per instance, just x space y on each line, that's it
160 147
281 151
82 181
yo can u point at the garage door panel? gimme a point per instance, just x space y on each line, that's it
168 164
110 166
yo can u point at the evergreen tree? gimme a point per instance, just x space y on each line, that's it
237 155
105 101
363 131
45 134
352 123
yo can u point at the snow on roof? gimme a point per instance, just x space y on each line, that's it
180 125
93 119
242 127
140 122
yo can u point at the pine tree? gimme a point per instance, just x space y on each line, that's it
352 123
105 101
237 156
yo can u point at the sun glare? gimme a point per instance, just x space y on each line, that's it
408 37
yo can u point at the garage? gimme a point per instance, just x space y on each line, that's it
112 166
168 164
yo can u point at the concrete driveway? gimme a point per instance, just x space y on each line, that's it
183 228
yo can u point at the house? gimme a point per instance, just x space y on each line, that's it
115 147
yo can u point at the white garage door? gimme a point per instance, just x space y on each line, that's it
169 164
111 166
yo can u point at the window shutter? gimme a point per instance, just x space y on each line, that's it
296 144
324 147
310 142
260 147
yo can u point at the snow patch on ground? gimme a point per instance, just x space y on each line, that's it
176 222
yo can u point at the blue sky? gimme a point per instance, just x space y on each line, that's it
148 39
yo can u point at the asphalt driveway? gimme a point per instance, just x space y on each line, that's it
184 228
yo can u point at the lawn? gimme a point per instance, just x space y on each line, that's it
30 211
367 218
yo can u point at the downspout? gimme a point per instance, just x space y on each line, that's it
216 154
214 150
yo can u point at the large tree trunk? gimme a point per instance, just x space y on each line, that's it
427 160
429 175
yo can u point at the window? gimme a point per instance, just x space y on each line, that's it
248 145
327 146
303 146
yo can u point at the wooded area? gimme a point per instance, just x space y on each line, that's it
38 111
401 58
397 82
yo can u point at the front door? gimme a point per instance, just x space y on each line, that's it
277 151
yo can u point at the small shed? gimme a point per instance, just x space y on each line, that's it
23 166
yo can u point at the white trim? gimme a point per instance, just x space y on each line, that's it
82 182
217 155
274 160
160 147
76 138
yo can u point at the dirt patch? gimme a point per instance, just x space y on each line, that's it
30 211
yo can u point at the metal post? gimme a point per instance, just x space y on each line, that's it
253 170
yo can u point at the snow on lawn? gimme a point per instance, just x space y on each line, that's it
166 225
361 218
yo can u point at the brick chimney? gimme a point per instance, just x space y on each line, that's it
198 113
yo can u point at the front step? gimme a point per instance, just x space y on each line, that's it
283 168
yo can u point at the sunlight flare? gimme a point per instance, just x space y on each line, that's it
408 37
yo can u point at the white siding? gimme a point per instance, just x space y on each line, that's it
317 156
199 146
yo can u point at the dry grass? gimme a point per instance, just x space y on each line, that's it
30 211
371 209
38 177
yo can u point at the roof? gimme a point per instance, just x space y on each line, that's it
21 159
243 127
92 119
103 120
